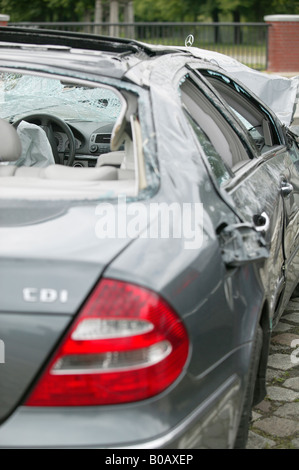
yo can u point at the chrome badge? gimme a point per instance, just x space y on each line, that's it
46 295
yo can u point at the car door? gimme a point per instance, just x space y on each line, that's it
258 162
290 193
278 155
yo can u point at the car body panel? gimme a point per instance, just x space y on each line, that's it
74 262
113 427
277 201
28 340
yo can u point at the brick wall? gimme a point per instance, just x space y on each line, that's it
283 43
4 20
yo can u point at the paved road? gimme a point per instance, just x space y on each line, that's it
275 423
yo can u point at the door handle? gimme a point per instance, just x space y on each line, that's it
286 188
261 222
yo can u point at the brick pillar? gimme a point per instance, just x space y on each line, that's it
4 19
283 43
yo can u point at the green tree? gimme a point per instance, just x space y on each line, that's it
46 10
215 10
150 10
19 10
170 10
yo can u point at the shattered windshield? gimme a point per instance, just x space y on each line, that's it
21 94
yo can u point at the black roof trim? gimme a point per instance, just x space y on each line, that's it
118 46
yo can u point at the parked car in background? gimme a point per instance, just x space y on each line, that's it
149 242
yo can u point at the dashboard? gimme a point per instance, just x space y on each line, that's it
91 139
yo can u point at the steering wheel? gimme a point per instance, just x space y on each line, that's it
45 121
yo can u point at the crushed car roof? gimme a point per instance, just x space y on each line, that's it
279 93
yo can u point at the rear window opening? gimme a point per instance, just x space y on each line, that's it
67 139
256 119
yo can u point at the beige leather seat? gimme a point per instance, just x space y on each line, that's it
10 149
60 172
111 158
124 159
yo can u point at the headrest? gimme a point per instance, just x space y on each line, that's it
10 144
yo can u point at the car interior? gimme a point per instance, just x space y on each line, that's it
226 154
75 134
256 120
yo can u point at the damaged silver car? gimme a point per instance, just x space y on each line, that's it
149 241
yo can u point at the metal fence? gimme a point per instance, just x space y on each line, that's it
246 42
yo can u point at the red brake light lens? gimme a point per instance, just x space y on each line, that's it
126 344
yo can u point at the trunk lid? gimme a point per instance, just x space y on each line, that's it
50 260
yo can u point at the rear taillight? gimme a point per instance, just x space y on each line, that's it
126 344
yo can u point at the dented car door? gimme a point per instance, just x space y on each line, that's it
256 173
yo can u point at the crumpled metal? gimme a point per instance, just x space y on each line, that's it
279 93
